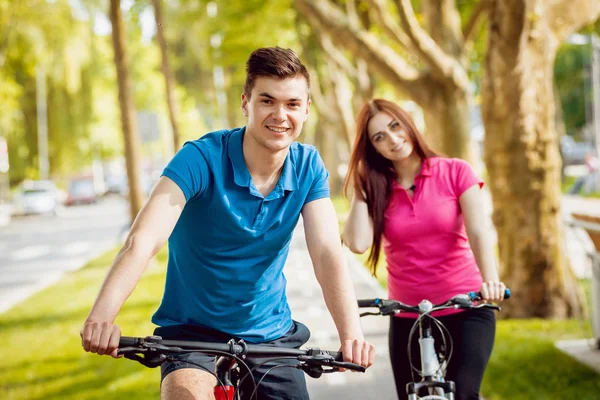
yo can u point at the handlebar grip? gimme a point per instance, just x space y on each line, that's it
475 296
350 366
127 341
340 363
364 303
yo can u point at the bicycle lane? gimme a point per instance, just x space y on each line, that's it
307 304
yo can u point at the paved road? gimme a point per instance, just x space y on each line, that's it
35 251
308 307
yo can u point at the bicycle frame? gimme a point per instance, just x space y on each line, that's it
225 367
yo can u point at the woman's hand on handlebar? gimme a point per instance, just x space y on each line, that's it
493 291
101 338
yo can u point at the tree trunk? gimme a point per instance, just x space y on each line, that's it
128 121
523 162
447 125
167 73
326 142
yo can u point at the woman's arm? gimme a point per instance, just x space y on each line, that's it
471 203
358 229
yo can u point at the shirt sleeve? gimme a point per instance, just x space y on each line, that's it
189 170
464 177
320 185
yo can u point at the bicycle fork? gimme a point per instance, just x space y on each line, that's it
433 376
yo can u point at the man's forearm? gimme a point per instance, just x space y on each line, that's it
338 291
121 279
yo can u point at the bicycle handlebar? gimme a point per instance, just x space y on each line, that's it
389 307
155 351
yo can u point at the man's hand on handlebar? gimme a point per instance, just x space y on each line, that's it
358 352
101 338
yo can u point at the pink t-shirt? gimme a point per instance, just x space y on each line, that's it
424 240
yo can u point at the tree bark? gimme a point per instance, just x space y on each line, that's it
522 159
167 73
447 122
128 120
441 89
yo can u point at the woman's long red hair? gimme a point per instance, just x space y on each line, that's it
372 174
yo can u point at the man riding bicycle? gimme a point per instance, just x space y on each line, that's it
228 204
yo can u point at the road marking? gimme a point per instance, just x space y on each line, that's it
30 252
76 248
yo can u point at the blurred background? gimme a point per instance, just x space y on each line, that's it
97 95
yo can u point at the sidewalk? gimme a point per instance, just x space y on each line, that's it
577 242
306 300
5 214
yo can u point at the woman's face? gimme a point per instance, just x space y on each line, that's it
389 137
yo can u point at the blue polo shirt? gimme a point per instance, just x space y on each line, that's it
228 248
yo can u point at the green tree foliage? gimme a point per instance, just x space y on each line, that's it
571 74
573 80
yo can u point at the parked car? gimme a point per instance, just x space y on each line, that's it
81 191
36 197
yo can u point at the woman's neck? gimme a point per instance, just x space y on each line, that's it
408 169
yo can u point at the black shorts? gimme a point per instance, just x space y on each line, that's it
280 383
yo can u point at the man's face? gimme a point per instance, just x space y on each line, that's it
276 111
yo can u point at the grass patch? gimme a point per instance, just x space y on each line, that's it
41 347
526 365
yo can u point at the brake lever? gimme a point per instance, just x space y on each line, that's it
461 302
388 310
151 362
347 365
369 313
130 350
486 305
314 371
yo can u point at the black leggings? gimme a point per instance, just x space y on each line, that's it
472 335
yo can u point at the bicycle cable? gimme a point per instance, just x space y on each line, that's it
255 392
444 332
411 336
225 354
253 369
202 367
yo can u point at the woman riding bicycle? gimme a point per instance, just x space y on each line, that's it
426 212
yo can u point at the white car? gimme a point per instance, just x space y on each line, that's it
36 197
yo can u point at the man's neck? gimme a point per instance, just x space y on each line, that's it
264 165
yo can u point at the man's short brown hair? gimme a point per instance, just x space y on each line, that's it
273 62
